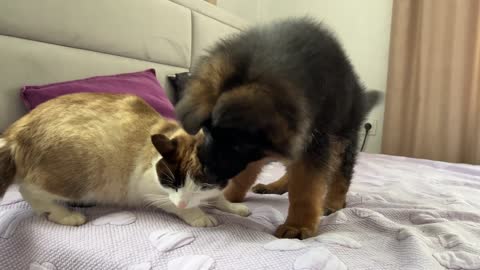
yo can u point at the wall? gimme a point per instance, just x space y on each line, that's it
246 9
363 27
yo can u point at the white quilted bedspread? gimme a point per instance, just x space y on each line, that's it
401 214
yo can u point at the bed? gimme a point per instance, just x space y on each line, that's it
401 213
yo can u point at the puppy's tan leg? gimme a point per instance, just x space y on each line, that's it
342 163
306 191
337 193
278 187
238 187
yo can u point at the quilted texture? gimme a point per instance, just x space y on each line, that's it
401 214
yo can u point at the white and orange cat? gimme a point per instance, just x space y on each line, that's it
106 149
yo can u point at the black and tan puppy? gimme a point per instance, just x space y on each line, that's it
285 91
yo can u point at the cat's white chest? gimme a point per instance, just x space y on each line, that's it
144 184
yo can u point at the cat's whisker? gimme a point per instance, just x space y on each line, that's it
209 203
168 177
157 203
170 171
156 197
155 200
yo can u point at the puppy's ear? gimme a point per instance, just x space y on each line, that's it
203 90
166 147
267 113
246 107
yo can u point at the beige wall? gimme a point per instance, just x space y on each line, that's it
246 9
362 26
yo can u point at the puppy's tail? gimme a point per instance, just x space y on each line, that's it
372 98
7 166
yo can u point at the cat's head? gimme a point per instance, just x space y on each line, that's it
180 172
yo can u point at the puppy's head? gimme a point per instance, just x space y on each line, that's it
245 124
227 151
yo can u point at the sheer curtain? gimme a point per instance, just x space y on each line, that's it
433 94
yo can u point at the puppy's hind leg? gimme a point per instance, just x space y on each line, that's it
44 202
338 187
337 193
278 187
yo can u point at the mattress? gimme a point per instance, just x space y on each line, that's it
401 213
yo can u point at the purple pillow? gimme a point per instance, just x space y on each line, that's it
143 84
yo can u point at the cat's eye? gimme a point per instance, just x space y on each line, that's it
168 184
206 187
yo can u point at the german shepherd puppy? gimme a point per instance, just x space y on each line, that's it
286 91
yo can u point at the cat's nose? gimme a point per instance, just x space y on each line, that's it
182 204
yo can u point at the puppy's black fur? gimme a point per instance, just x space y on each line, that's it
285 89
178 82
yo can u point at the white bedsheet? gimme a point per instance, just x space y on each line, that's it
401 214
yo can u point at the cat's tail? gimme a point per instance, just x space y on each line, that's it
7 166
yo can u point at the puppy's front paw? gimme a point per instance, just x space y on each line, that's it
203 221
239 209
268 189
286 231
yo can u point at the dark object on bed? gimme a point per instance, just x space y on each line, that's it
178 82
285 90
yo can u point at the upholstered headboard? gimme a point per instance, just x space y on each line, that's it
57 40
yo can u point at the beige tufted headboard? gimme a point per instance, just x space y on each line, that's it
56 40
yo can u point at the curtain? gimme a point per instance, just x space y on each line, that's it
432 105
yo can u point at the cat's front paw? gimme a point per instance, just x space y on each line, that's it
239 209
202 221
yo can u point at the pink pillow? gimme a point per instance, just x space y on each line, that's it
143 84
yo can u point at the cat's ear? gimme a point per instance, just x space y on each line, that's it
164 145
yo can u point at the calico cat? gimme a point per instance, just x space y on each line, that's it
107 149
